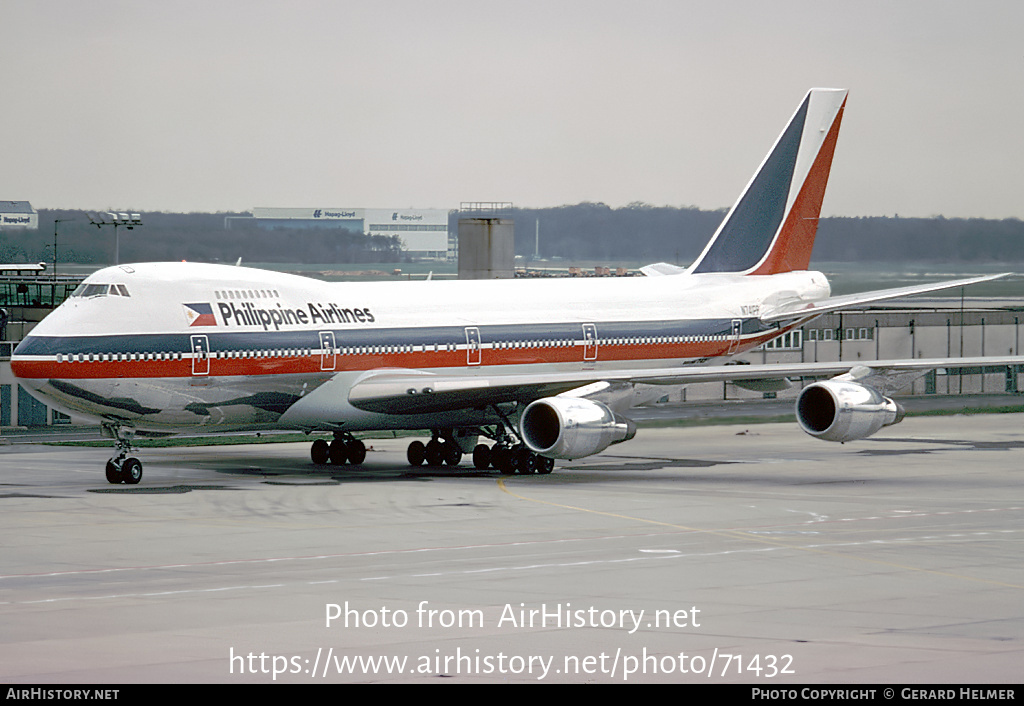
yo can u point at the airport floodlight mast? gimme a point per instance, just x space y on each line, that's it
55 222
126 220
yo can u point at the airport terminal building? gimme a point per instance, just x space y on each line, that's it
423 231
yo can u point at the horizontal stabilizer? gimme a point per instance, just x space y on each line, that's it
861 299
662 268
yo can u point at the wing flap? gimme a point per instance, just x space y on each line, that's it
413 392
418 393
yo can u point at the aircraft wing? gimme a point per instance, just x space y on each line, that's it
796 310
415 392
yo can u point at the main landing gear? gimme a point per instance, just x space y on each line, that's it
507 455
510 460
122 468
344 448
434 453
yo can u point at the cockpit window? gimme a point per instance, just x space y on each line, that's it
100 290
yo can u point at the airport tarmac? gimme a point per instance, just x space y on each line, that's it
714 554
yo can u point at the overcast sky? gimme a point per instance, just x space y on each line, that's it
222 105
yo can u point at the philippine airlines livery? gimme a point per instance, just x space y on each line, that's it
544 369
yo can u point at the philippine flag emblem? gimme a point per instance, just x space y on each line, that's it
200 314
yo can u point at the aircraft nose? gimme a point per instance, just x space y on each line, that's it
24 367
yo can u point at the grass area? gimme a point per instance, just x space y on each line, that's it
791 417
292 437
1002 409
231 439
715 421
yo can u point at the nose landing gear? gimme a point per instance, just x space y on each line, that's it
122 468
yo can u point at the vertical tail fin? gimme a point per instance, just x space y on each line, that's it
771 227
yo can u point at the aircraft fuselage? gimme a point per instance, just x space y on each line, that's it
175 345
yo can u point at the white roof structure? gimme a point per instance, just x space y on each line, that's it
18 214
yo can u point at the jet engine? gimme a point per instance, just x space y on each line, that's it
571 427
837 410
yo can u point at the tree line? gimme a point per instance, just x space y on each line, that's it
645 233
196 237
587 231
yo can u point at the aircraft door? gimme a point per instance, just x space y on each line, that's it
472 345
200 355
328 353
589 341
734 336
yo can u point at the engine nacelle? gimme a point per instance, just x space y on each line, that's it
837 410
571 427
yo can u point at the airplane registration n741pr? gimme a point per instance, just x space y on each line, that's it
544 369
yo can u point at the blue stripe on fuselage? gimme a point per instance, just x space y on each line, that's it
426 336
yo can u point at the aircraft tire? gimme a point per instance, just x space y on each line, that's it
356 452
320 452
416 453
131 470
434 453
526 461
481 457
501 458
338 452
113 472
545 465
452 453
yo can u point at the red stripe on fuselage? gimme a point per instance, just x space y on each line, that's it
292 365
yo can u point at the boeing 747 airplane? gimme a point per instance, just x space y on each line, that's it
543 369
